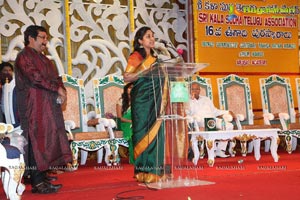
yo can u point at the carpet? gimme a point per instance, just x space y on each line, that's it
234 178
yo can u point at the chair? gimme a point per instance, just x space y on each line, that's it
75 116
234 95
9 106
107 91
276 96
12 166
205 85
298 97
206 90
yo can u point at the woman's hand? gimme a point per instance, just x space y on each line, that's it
130 77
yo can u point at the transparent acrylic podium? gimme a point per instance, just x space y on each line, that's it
180 171
174 70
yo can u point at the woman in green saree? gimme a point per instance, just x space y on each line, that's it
148 101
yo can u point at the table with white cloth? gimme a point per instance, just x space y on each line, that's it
209 137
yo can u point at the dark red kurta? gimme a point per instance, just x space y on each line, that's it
37 83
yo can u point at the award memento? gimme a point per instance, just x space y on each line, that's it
210 124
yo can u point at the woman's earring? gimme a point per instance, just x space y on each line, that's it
141 46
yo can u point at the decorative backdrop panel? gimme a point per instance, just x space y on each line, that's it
100 32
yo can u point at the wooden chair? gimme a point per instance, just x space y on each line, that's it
107 92
205 85
277 98
234 95
75 115
12 166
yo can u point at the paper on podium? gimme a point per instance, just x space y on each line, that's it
173 70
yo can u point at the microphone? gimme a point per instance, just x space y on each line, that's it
167 44
171 46
163 41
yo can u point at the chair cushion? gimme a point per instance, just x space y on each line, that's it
91 135
294 126
11 151
257 126
118 134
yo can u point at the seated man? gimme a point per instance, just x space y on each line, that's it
200 107
6 75
7 72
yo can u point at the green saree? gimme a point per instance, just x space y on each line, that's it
127 133
147 103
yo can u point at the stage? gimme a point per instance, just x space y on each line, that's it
232 178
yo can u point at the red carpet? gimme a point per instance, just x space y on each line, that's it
251 179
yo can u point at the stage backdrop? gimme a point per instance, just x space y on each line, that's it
250 36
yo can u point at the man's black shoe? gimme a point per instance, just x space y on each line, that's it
43 188
26 180
57 186
190 154
50 178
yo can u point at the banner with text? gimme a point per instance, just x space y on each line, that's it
252 36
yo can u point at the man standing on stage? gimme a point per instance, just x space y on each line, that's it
38 87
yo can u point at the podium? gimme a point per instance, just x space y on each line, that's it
174 70
176 142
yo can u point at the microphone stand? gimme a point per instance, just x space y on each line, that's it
170 45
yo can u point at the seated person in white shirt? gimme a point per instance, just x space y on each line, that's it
200 107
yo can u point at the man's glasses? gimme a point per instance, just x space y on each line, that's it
42 37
